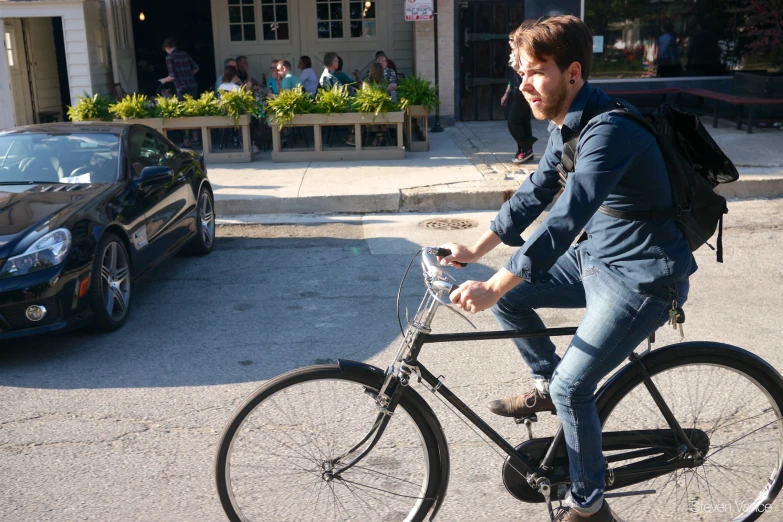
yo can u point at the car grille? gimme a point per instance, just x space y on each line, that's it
12 317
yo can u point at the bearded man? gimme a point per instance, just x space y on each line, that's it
626 274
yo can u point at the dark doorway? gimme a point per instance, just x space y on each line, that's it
483 71
62 64
190 22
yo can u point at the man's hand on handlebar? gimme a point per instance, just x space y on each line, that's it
460 255
475 296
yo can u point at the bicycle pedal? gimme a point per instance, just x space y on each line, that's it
526 419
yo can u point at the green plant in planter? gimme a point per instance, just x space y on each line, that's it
132 107
282 108
334 101
205 105
374 98
94 107
415 90
237 103
169 108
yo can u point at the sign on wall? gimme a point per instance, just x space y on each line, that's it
418 10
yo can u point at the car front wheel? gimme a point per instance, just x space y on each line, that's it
110 286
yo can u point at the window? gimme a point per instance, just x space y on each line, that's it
100 46
9 49
242 20
274 16
641 39
362 19
331 17
148 150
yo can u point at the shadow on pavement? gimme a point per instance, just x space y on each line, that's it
253 309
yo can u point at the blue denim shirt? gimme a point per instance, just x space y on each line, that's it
620 165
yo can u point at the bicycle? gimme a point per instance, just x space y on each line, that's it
382 455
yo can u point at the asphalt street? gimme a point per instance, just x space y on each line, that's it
124 426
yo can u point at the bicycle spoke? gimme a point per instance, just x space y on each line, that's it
742 424
286 446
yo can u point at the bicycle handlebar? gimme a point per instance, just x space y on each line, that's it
440 280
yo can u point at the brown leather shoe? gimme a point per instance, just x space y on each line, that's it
603 515
526 404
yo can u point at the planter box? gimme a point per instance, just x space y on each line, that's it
204 124
358 152
415 122
154 123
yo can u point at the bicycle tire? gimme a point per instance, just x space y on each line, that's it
736 370
315 375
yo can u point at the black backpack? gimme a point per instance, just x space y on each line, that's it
695 164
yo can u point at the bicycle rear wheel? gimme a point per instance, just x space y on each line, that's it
274 453
737 401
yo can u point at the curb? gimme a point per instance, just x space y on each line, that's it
445 198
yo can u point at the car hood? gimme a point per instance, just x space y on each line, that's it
25 208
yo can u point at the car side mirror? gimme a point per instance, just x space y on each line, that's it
154 174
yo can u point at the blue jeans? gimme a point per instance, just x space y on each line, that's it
617 319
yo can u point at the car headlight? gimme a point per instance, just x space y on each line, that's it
48 251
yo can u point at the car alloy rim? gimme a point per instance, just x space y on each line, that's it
207 220
116 281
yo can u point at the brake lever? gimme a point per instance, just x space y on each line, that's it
449 306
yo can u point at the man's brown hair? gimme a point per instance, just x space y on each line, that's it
565 39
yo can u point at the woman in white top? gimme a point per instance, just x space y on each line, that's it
231 81
308 78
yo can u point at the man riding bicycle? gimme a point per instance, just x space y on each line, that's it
627 274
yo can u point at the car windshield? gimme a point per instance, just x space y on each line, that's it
58 157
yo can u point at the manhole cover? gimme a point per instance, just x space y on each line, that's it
449 224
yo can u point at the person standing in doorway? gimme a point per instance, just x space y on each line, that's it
519 118
182 69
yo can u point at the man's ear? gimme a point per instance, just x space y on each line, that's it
575 71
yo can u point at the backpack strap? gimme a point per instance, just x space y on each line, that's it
569 156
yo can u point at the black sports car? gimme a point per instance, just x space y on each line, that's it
85 210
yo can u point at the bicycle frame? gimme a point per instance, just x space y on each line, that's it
406 364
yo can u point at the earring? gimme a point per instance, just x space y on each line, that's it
572 81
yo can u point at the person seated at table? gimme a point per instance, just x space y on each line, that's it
274 85
230 80
226 63
243 71
328 79
307 76
375 77
288 79
343 77
391 64
389 75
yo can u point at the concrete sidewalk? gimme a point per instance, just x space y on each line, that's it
468 168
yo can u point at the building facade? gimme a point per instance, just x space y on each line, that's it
100 43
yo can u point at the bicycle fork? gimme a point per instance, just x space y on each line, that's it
386 401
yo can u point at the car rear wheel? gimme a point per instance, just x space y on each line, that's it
110 286
204 241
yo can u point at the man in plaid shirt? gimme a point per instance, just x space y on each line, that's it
182 69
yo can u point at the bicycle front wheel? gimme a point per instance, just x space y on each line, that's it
733 399
276 452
